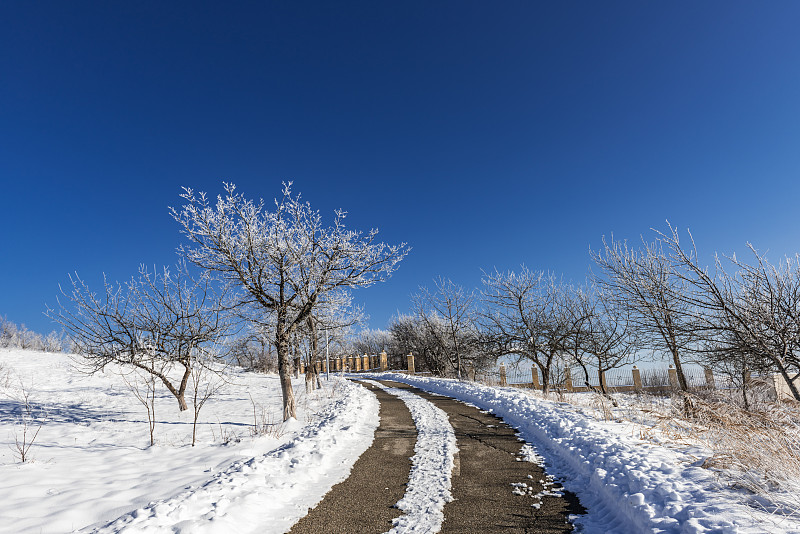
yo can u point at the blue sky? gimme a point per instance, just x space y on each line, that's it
484 134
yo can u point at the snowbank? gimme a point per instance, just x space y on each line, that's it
627 485
92 462
272 492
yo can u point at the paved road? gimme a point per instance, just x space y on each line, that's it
364 503
487 466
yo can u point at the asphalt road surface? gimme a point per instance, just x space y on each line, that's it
486 484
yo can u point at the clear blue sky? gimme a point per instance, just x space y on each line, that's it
482 133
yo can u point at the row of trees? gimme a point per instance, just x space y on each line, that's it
530 315
655 298
20 337
278 281
275 278
737 315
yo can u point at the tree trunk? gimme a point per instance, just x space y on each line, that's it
187 371
285 373
744 389
545 379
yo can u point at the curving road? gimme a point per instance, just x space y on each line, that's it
493 489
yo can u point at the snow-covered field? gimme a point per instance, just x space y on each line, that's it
91 463
91 467
628 485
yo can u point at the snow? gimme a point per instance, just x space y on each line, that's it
94 470
628 485
429 482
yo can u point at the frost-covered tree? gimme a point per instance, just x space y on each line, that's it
647 283
410 335
449 316
525 315
603 336
371 341
749 316
283 261
156 323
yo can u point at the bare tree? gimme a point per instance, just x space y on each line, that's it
603 335
206 382
143 385
253 350
282 262
449 315
646 282
410 335
157 323
29 422
371 342
525 316
752 314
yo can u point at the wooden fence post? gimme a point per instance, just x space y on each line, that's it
503 381
603 383
384 361
410 359
568 379
637 379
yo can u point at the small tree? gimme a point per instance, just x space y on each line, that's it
449 317
156 323
525 315
29 422
409 334
206 382
750 316
646 282
283 262
603 335
143 386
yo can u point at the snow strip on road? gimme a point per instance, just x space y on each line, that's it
429 483
271 492
627 485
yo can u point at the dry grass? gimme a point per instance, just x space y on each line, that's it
755 450
265 421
